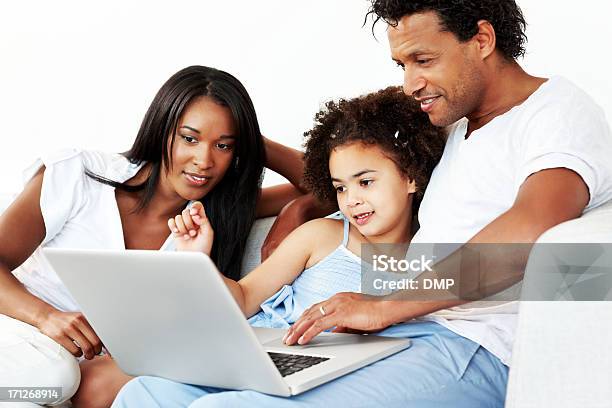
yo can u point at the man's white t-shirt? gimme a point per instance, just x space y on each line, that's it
79 212
477 180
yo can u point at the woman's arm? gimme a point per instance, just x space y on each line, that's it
22 230
288 163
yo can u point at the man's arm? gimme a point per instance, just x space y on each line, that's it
545 199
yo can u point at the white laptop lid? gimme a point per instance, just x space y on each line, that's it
154 310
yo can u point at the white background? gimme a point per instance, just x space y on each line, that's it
82 74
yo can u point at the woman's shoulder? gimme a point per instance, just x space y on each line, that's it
94 160
113 166
67 173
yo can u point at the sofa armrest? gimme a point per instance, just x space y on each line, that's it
561 355
594 226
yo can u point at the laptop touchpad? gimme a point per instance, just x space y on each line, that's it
265 334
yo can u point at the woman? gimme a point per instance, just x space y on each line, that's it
199 140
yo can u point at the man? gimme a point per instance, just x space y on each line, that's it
523 155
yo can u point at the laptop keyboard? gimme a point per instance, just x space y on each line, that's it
288 364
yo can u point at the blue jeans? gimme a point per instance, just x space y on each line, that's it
440 369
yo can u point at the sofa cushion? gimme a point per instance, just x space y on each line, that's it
252 252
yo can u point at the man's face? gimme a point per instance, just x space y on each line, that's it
441 73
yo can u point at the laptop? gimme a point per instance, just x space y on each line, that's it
170 315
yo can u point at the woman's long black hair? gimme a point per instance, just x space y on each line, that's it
230 205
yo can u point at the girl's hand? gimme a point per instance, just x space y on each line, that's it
192 230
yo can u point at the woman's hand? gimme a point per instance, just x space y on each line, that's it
72 331
192 230
347 312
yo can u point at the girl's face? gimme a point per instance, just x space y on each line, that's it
371 191
203 148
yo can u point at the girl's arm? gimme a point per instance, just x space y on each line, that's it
288 163
22 230
281 268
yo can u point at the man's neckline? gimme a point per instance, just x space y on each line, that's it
465 121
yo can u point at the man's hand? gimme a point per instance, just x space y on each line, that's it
73 332
545 199
192 230
347 312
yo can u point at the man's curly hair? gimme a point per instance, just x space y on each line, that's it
387 119
460 17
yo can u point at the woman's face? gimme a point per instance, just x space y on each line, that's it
203 148
372 193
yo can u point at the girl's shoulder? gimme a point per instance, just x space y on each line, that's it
321 227
324 236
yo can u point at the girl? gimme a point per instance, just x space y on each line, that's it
374 156
199 140
380 153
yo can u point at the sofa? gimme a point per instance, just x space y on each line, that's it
562 355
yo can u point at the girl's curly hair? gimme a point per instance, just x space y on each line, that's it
387 119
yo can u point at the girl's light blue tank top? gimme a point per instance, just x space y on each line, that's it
340 271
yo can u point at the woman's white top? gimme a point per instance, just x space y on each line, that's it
79 212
